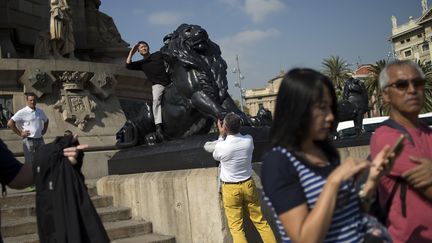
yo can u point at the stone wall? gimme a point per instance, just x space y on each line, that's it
184 203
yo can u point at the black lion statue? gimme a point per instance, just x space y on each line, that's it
263 118
354 103
196 97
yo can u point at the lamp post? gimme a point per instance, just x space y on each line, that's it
238 83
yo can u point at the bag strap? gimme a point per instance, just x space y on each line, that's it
393 124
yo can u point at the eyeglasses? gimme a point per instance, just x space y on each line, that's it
403 84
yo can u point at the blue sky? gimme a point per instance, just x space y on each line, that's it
270 35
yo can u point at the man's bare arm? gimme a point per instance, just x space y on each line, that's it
24 178
12 125
131 53
45 128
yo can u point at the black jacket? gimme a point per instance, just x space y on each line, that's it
64 210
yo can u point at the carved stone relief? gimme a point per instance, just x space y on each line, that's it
76 107
79 91
75 104
37 81
103 84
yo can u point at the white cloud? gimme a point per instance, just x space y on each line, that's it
259 9
165 18
249 37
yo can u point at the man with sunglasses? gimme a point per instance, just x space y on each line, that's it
410 213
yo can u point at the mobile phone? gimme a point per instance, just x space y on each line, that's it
396 149
398 145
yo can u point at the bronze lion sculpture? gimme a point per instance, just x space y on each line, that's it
197 96
354 103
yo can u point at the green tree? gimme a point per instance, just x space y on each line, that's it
373 86
426 67
337 69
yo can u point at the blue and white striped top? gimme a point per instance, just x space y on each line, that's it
305 185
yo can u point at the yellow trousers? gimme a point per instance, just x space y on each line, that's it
244 196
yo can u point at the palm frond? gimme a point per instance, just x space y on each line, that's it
337 69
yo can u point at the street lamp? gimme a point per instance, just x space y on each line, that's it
240 77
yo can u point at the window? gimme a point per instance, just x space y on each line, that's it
407 53
5 110
420 35
260 105
408 40
425 47
402 41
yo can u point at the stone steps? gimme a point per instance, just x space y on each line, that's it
19 220
15 226
147 238
10 211
115 230
24 198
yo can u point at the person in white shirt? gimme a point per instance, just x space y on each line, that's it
31 124
234 151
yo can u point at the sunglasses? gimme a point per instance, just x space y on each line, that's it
403 84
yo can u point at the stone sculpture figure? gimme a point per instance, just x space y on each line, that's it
102 30
424 6
61 31
354 103
196 97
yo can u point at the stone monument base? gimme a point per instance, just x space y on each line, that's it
179 154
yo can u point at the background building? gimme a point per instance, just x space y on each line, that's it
263 97
412 40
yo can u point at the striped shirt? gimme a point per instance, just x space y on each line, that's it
346 224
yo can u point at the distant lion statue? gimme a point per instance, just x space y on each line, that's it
354 103
262 118
196 97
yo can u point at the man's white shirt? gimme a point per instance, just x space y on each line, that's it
31 120
235 156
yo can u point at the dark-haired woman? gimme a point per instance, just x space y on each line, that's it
311 192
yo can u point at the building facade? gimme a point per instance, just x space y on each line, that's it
266 97
263 97
413 40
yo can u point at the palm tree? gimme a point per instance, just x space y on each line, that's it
337 70
426 67
373 86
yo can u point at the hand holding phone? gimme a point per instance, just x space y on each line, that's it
398 146
220 127
394 152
